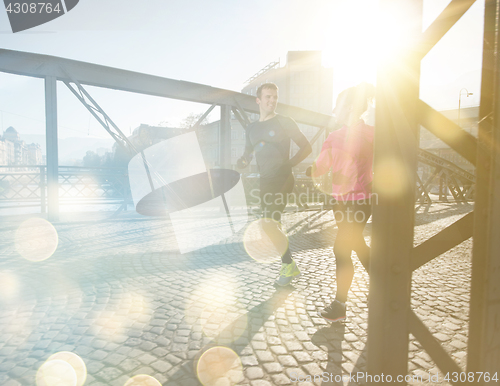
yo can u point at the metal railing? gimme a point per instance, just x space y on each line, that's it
26 185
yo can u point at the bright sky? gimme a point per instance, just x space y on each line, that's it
219 43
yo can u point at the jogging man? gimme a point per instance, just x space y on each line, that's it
269 138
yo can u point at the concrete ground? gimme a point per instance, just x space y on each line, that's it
118 294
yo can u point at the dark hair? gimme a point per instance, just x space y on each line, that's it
358 96
269 85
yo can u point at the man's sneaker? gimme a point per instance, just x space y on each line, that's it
335 312
287 273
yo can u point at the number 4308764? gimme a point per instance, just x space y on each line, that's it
33 8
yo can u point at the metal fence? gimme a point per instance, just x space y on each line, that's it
26 186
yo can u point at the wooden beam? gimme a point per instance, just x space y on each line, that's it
443 23
432 346
443 241
450 133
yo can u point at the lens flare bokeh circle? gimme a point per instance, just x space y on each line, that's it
36 239
9 286
264 241
74 361
56 373
142 380
219 366
391 178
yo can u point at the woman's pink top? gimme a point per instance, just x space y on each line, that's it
349 153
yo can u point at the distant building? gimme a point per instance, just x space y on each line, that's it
6 152
141 138
14 151
302 82
34 154
146 135
11 134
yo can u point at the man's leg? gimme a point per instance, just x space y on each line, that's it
272 210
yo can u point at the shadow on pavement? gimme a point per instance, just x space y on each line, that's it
186 374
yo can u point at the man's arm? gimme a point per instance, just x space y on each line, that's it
246 158
300 139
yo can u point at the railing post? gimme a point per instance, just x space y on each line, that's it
43 204
225 136
52 151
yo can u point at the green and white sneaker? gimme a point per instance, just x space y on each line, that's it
287 273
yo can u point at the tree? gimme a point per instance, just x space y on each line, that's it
191 120
91 159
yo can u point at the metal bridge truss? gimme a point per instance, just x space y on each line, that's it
93 107
460 182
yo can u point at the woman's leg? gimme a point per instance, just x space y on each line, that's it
342 249
362 213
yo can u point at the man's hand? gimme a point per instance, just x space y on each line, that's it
311 169
241 163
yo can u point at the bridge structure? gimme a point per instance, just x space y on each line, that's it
399 114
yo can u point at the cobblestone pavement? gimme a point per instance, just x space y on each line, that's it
119 295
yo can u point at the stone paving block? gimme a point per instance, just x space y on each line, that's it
249 360
146 359
108 374
287 360
174 360
179 347
302 336
458 344
129 365
161 365
6 351
259 345
302 356
254 373
273 367
293 346
147 346
114 359
264 356
17 371
13 383
98 355
279 350
262 382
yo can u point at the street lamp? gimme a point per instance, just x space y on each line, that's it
467 94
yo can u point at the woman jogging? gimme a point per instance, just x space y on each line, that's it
348 152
